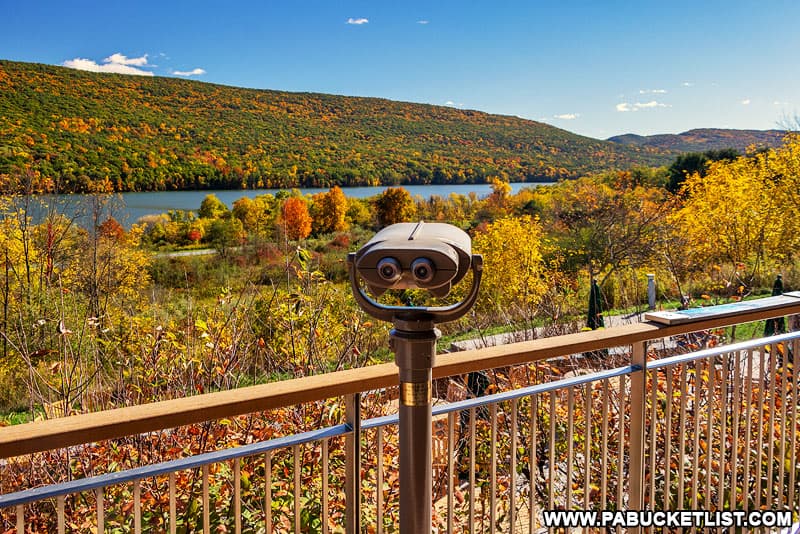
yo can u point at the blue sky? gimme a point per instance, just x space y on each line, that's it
599 68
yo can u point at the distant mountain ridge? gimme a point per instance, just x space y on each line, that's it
702 139
132 133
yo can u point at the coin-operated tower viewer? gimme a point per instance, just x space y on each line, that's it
435 257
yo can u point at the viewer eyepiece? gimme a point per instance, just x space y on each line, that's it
423 271
389 270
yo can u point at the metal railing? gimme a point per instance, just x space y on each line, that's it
711 429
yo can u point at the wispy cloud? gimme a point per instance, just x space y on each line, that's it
193 72
687 84
115 63
652 91
745 102
423 22
653 104
358 21
780 103
567 116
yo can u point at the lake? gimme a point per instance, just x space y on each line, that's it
129 207
136 205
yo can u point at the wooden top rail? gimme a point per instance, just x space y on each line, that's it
39 436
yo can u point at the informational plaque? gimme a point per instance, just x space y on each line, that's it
722 310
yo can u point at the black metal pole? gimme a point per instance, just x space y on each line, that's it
413 341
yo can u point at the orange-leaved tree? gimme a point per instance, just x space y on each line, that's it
296 219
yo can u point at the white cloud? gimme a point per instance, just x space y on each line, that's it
625 106
687 84
651 104
745 102
115 63
423 22
652 91
358 21
567 116
119 59
193 72
780 103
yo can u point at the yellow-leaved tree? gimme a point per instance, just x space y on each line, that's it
514 277
330 210
742 211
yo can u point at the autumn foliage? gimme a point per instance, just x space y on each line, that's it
87 131
296 219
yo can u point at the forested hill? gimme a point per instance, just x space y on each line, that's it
703 139
135 133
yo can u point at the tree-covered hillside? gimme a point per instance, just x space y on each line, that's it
704 139
86 130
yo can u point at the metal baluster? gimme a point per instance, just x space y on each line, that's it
698 386
604 448
637 403
552 450
325 475
268 491
493 469
710 395
795 420
786 429
296 453
379 482
621 446
669 376
570 443
173 515
472 442
237 495
451 475
137 506
512 493
60 505
533 467
587 449
101 515
206 501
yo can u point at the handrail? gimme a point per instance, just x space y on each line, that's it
171 466
40 436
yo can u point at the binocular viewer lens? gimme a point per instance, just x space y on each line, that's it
389 270
422 270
